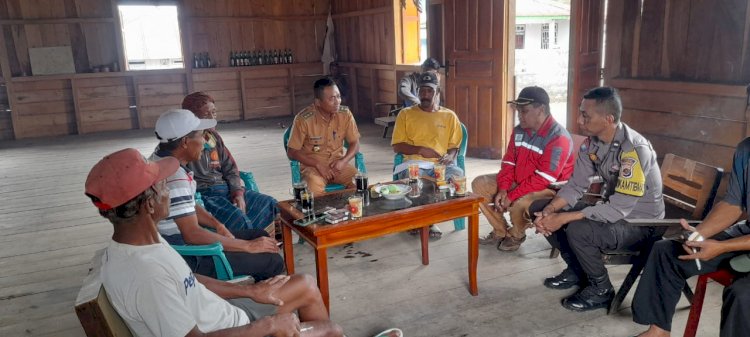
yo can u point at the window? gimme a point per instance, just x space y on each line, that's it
520 36
556 30
151 37
545 36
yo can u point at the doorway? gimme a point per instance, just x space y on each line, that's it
542 40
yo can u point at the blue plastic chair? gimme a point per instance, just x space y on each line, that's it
459 223
359 163
215 250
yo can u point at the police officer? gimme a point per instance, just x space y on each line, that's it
317 139
632 188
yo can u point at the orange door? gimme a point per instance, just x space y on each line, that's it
476 38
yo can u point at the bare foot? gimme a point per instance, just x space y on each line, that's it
654 331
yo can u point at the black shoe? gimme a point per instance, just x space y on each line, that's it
566 279
590 298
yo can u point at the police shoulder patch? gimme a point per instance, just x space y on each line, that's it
632 179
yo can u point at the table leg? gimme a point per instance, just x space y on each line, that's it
473 252
424 235
288 248
321 264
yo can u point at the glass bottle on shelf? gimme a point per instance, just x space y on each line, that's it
196 62
209 63
290 58
276 56
260 58
231 59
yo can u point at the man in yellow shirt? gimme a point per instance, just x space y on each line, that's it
428 134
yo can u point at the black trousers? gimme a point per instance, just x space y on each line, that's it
582 242
662 281
260 266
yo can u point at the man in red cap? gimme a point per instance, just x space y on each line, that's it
539 153
152 288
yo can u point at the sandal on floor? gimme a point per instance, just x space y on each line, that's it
394 332
435 232
415 231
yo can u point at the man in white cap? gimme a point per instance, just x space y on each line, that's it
672 263
249 251
155 292
428 132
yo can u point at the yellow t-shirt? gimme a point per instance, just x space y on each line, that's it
439 130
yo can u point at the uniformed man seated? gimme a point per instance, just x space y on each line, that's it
632 189
317 139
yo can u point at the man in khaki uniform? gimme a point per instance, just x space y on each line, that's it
317 139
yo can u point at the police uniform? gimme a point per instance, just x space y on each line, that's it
632 188
322 137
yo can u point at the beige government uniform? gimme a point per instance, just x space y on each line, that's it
322 137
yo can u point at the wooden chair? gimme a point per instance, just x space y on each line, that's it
359 163
723 277
689 192
95 312
398 158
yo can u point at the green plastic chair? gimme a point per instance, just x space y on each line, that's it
459 223
359 163
215 250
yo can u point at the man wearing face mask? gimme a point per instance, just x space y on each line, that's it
632 189
218 178
428 132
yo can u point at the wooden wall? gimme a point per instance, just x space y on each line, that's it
365 46
682 67
87 102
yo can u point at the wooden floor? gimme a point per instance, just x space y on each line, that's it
49 231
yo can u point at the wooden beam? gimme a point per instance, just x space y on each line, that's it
121 57
135 83
636 43
683 87
7 76
665 40
56 21
292 90
366 12
258 18
76 106
746 40
186 35
243 109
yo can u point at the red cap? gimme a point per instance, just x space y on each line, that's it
125 174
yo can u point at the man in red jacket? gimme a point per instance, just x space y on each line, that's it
539 154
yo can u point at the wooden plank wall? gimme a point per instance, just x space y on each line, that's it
156 94
82 103
220 27
682 67
366 49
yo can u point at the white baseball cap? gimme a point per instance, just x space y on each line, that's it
177 123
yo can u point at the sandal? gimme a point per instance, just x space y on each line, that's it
393 332
414 231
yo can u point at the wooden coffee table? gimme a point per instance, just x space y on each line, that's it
381 217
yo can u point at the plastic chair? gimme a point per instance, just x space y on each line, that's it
359 163
723 277
215 250
398 158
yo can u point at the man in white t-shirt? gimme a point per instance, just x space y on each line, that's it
152 288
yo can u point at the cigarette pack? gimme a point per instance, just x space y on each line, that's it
337 216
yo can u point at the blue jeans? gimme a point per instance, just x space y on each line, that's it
260 209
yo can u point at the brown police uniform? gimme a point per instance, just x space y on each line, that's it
322 137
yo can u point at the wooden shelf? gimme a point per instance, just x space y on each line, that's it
250 68
130 73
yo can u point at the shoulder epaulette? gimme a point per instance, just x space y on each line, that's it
307 113
343 108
